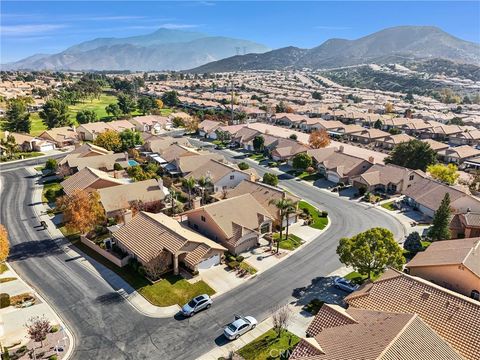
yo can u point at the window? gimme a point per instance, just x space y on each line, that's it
411 177
232 177
202 218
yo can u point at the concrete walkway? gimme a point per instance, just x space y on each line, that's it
118 284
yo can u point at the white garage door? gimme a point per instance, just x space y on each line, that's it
208 263
47 147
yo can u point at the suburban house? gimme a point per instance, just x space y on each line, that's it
417 128
337 166
121 125
289 119
391 141
471 138
266 195
89 179
100 162
153 124
84 151
312 124
147 195
390 179
286 149
369 136
186 164
159 144
237 223
426 195
458 154
244 138
437 146
221 175
452 264
444 132
157 238
372 335
208 128
465 225
61 137
90 131
176 151
27 143
455 317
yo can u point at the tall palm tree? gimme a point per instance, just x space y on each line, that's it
283 205
203 182
190 185
289 209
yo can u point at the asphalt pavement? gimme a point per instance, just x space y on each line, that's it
106 326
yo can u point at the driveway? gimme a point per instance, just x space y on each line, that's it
115 330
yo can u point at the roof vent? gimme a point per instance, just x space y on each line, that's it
426 295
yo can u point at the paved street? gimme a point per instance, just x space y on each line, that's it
107 327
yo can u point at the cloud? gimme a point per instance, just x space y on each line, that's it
327 27
112 18
206 3
178 26
20 30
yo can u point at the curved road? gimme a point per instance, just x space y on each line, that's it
106 327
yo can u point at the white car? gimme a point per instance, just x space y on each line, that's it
196 304
239 326
345 285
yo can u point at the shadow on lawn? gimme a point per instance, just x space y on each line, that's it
321 288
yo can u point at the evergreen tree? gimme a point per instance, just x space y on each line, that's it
17 119
55 114
441 220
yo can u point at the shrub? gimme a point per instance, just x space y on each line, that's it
50 194
413 243
51 164
270 179
21 350
362 191
324 214
4 300
195 273
240 258
54 328
117 167
53 357
233 264
243 166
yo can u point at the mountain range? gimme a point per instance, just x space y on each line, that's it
164 49
168 49
390 45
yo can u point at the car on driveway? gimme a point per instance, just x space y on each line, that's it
345 285
197 304
239 326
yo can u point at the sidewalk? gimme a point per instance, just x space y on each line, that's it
12 319
117 283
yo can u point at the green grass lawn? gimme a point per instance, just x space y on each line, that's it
309 177
359 279
318 222
291 243
97 105
388 206
269 346
7 279
169 291
37 125
51 191
251 270
257 157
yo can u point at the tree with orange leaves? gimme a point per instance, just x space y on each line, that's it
4 244
319 139
82 211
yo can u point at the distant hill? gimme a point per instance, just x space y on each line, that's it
390 45
164 49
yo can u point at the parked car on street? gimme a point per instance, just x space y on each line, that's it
239 326
197 304
345 285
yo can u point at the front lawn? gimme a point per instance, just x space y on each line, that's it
388 206
257 157
269 346
309 177
51 191
318 221
3 268
359 279
171 290
291 243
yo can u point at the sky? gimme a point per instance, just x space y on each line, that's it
31 27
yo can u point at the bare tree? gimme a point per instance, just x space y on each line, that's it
157 266
281 319
38 328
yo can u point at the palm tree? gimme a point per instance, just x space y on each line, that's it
284 207
290 209
190 185
203 182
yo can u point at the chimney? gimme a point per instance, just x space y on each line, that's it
160 183
196 203
371 159
341 149
127 216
